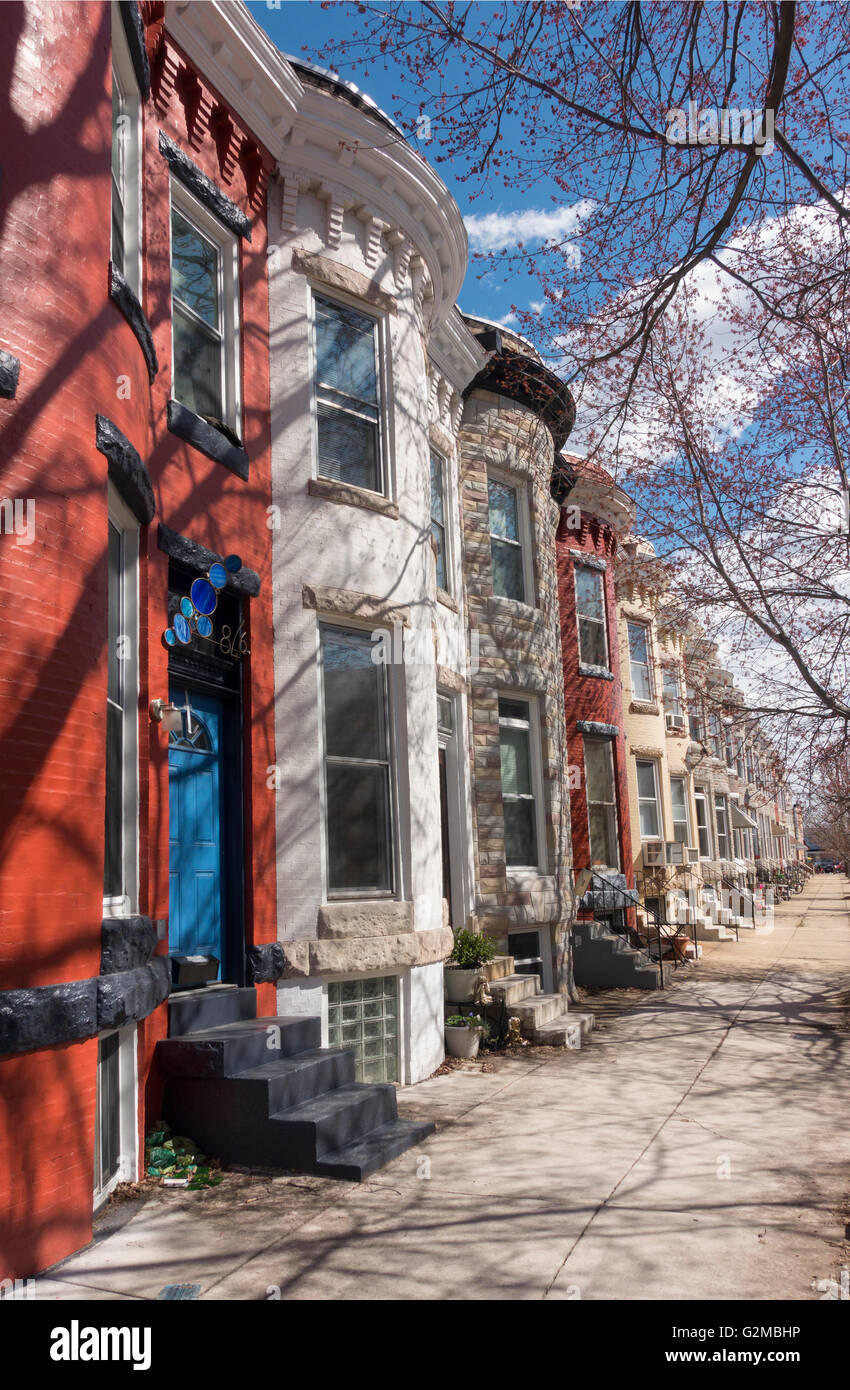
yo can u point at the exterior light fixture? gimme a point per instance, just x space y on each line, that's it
169 716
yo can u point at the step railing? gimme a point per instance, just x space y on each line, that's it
618 900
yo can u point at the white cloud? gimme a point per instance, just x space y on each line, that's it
498 231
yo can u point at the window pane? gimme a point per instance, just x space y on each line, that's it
520 833
513 709
508 579
641 684
598 771
355 723
637 643
649 821
503 510
437 489
516 772
197 366
603 837
646 780
345 350
589 593
114 613
194 270
358 823
113 875
592 643
348 447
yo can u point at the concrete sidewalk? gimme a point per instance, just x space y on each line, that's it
697 1147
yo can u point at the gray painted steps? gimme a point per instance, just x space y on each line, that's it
604 959
263 1092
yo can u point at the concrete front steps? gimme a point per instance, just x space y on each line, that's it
262 1091
543 1020
604 959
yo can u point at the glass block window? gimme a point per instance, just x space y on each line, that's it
590 607
363 1015
505 541
641 669
347 392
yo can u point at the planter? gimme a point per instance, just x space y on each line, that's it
459 985
463 1042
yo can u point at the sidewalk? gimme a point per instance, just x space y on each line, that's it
697 1147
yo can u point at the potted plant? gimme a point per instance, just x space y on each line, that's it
462 972
463 1035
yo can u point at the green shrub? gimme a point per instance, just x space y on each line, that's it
471 950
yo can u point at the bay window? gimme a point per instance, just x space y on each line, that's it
601 803
590 610
639 662
519 800
204 313
438 519
506 540
347 392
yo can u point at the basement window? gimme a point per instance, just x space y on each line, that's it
363 1016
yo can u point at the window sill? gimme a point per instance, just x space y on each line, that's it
643 707
512 607
347 495
206 438
600 672
447 600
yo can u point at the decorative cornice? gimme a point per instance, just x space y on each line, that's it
590 726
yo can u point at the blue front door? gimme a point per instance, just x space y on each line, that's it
196 892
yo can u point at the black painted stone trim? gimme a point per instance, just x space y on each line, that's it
9 369
586 669
197 557
207 192
592 562
132 994
123 296
125 943
126 470
135 33
265 963
211 441
589 726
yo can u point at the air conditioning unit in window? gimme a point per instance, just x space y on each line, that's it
653 852
693 855
675 721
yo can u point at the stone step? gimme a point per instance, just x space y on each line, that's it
326 1123
499 968
514 988
359 1159
707 930
565 1030
533 1013
235 1047
193 1009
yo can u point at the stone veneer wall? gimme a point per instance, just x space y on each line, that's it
519 652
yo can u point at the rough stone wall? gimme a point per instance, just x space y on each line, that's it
519 651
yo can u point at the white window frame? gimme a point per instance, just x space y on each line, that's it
384 378
659 809
727 822
226 243
701 794
131 192
603 623
607 743
128 1110
672 704
505 479
531 726
126 903
392 703
687 821
448 556
647 627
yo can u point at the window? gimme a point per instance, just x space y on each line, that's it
729 743
120 811
590 608
347 392
518 798
641 669
116 1106
703 830
363 1016
695 720
714 734
679 798
125 240
671 691
601 805
438 519
650 813
506 541
358 789
722 818
204 313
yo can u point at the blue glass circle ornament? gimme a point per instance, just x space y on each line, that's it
203 596
168 637
205 626
182 629
187 607
217 575
233 564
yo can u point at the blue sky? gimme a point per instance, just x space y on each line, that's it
302 28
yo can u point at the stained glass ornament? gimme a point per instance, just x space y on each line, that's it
203 596
182 629
217 575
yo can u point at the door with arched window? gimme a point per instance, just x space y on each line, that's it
196 868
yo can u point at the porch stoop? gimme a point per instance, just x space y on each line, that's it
262 1091
604 958
542 1017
